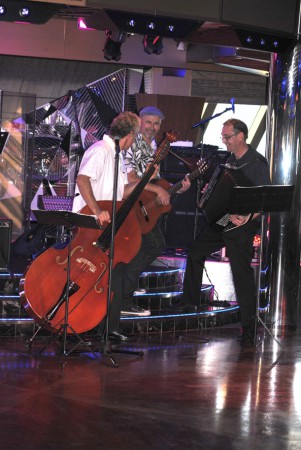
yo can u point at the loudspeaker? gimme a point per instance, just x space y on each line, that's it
5 240
179 225
184 160
172 165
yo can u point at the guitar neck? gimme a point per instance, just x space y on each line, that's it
191 176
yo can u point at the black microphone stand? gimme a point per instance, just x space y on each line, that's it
105 345
204 121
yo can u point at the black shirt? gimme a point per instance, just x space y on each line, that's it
254 167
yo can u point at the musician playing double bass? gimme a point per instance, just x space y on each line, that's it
137 159
238 240
94 183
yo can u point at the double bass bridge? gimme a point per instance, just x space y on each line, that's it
86 265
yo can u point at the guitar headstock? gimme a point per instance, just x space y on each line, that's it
172 136
203 165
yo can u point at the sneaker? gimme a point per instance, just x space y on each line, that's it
135 311
140 291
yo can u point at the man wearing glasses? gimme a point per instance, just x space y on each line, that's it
238 240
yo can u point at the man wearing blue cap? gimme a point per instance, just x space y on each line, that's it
137 158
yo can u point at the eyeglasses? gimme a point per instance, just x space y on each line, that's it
226 137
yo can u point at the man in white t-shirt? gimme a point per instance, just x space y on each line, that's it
95 183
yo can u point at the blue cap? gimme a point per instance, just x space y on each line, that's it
151 111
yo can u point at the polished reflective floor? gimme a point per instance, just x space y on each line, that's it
195 390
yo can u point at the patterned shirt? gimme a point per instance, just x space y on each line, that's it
139 155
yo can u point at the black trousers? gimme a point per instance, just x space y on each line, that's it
125 277
152 246
239 247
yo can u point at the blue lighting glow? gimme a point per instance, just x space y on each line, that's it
151 26
194 314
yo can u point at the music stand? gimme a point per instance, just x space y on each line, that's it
69 220
260 199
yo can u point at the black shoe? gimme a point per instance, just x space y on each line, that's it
117 336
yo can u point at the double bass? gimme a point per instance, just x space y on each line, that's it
44 287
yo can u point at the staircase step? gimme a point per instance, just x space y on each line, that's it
162 282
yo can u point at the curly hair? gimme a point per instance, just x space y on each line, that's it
238 125
125 123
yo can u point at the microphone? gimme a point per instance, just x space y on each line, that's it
116 139
232 101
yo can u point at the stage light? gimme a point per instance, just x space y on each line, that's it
267 42
113 44
81 24
24 12
132 23
152 44
151 25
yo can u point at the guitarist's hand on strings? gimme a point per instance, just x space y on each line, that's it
163 196
185 185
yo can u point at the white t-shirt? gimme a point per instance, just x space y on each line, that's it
98 164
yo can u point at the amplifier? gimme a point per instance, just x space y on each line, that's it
184 159
193 151
5 240
178 226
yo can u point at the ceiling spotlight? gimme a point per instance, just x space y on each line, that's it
262 41
2 10
132 23
153 44
170 28
151 25
81 24
24 12
113 44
